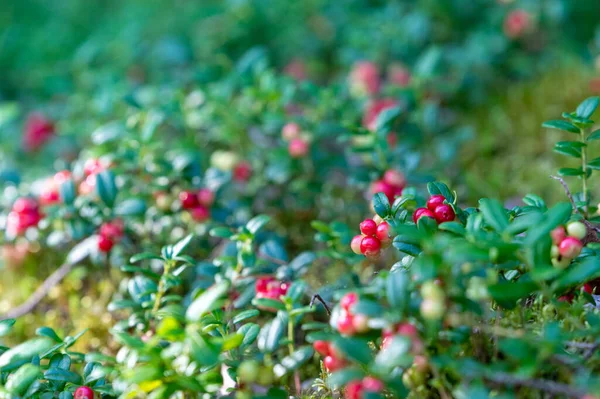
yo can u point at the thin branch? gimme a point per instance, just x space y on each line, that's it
269 258
320 299
40 293
567 191
550 387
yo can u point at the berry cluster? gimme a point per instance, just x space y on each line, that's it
375 234
25 213
38 130
198 203
436 209
298 146
391 184
83 392
271 288
109 234
348 322
357 388
50 192
91 168
567 243
333 360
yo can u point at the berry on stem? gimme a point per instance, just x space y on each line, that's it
370 246
368 227
434 201
570 247
188 199
444 213
83 392
422 212
355 244
577 230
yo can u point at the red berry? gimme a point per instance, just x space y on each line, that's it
588 288
374 109
371 384
92 166
333 363
322 347
370 246
355 244
38 130
558 234
383 232
394 178
25 205
112 230
422 212
444 213
516 23
298 148
364 78
290 131
200 214
262 283
345 324
566 298
188 199
348 300
242 171
379 186
83 393
205 197
570 247
105 244
368 227
434 201
354 390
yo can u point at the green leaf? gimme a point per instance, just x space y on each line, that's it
181 245
143 256
256 223
587 107
67 192
293 362
594 164
580 271
396 353
354 349
494 214
367 307
206 353
453 227
407 248
56 374
561 125
570 172
25 351
20 381
48 332
268 303
207 301
221 232
381 205
397 284
386 117
595 135
250 332
570 151
342 377
106 187
247 314
6 326
508 293
131 207
271 333
439 188
302 261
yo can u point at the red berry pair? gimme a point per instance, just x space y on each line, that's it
436 209
50 192
109 234
357 388
198 203
83 392
349 323
38 130
391 184
567 243
374 237
269 287
332 360
403 329
25 214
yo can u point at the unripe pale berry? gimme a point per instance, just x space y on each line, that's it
290 131
360 322
554 252
370 246
83 393
570 247
394 178
432 309
368 227
561 263
298 148
577 230
248 371
444 213
430 290
558 234
422 212
434 201
348 300
377 219
355 244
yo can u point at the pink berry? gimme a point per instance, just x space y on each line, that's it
444 213
379 186
383 232
298 148
371 384
353 390
355 244
200 214
25 205
370 246
290 131
262 283
205 197
375 108
83 393
61 177
242 171
333 363
38 130
345 324
296 69
105 244
434 201
188 199
422 212
348 300
558 234
516 23
322 348
364 78
368 227
394 178
570 247
93 166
